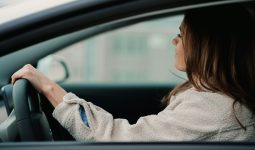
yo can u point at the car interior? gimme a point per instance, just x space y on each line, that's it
123 101
129 101
29 114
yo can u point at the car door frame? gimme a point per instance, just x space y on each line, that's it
27 33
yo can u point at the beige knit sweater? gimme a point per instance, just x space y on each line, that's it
190 116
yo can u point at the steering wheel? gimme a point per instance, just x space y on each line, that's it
31 121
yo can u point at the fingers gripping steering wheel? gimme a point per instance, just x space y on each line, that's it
31 121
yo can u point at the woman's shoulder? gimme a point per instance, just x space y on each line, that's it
201 100
193 94
209 100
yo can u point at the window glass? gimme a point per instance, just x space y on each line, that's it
140 53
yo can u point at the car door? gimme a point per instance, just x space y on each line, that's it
117 98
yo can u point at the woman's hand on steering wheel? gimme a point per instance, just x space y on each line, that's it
41 83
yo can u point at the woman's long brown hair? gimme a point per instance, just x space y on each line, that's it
220 53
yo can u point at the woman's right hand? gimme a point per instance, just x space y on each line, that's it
41 83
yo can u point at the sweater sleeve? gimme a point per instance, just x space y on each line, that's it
190 120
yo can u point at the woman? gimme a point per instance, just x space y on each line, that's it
215 48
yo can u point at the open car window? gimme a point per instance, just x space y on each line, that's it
135 54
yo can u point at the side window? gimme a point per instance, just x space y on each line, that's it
140 53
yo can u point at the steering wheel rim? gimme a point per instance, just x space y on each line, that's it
31 121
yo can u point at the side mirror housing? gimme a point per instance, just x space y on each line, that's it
54 68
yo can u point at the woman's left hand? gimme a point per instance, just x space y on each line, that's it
41 83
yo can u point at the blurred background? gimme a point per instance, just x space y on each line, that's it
141 53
